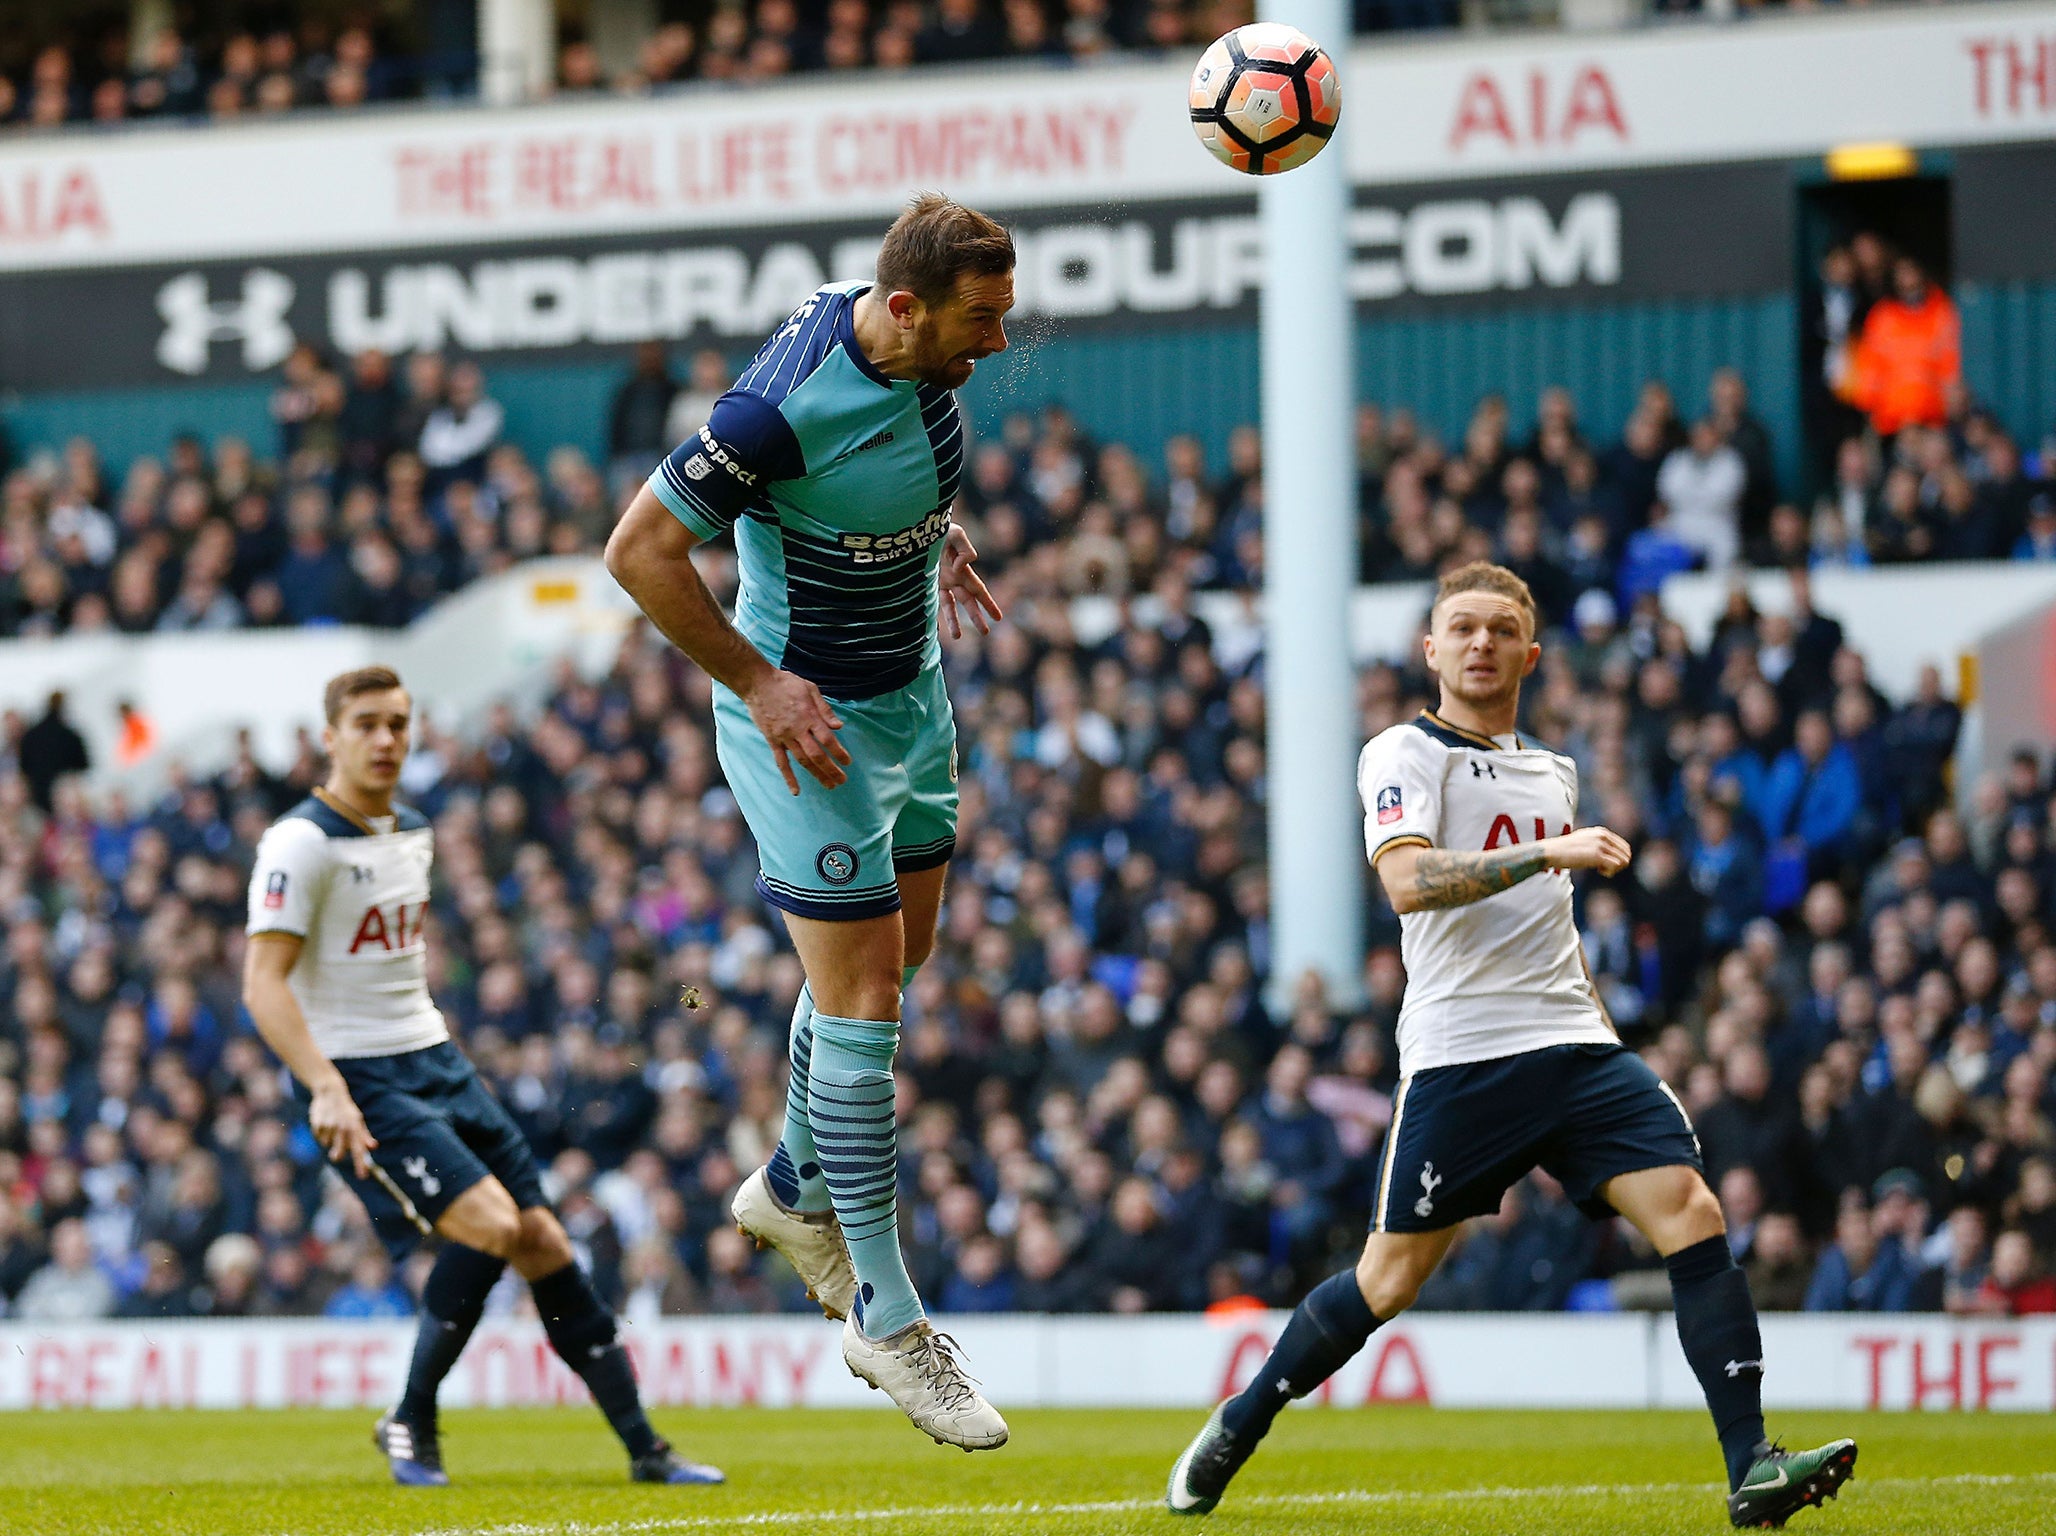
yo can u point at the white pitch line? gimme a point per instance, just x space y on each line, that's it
775 1519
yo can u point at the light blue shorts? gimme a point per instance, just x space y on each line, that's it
836 853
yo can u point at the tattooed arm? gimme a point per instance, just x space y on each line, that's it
1419 879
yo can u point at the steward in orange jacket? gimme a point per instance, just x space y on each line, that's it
1910 352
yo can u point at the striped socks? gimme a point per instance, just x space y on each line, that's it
795 1169
850 1107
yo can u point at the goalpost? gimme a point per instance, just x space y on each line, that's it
1310 555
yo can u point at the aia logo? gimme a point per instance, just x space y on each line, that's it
1504 831
374 930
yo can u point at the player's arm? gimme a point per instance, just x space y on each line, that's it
1418 878
650 554
696 494
333 1116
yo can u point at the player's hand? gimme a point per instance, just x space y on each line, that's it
963 586
798 723
1589 848
338 1126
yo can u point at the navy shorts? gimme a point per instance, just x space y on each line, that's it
1461 1136
439 1131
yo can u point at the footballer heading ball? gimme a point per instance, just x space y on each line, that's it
1265 98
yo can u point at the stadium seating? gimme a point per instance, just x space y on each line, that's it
61 76
1850 984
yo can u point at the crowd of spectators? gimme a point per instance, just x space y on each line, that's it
1852 985
391 483
338 59
98 78
384 494
96 75
1914 469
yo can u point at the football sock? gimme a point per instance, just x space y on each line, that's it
1326 1329
452 1301
856 1129
1717 1326
581 1329
795 1169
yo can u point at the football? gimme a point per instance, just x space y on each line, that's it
1265 98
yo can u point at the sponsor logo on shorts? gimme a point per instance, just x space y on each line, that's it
416 1168
1388 805
275 890
836 864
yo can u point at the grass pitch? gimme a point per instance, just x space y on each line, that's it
559 1473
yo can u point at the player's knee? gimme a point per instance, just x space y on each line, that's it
484 1218
1389 1289
861 997
496 1231
1700 1216
544 1244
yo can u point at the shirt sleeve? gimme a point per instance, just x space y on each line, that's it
285 885
711 478
1399 777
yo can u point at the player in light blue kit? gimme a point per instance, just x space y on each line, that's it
836 459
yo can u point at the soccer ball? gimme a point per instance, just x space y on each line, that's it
1265 98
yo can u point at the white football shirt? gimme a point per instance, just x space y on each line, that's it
1502 975
358 899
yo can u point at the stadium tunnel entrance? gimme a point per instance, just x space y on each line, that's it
1903 199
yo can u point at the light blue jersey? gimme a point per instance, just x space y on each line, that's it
838 482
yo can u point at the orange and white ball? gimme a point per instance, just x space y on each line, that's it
1265 98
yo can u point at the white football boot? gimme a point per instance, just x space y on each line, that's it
811 1244
920 1369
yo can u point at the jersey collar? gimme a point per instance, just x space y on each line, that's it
846 333
1456 736
355 818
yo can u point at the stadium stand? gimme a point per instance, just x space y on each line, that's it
86 70
85 73
1851 984
390 485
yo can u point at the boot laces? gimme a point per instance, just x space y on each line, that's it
937 1360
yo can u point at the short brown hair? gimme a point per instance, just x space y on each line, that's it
347 685
1484 576
935 242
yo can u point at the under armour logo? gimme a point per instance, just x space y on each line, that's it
1737 1367
1425 1206
416 1168
1284 1389
194 322
1483 770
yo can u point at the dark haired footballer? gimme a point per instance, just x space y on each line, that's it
835 460
1507 1062
336 979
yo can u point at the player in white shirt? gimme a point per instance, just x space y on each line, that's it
336 979
1508 1062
